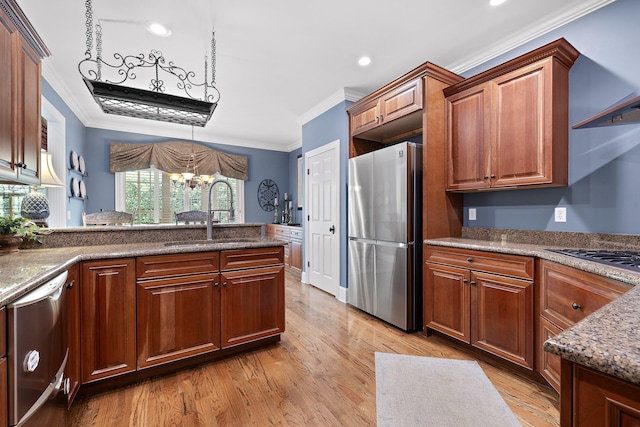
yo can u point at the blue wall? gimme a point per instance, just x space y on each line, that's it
330 126
604 163
75 134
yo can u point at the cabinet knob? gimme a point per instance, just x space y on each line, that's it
576 306
70 284
486 177
472 283
224 283
493 176
465 281
216 284
470 259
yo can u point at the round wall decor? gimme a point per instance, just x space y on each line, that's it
267 193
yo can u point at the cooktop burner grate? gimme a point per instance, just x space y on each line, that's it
623 259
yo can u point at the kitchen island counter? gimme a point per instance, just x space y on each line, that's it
26 270
608 340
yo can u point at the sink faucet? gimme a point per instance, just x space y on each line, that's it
210 212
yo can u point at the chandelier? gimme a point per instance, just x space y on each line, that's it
114 96
190 178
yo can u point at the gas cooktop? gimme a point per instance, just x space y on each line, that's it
623 259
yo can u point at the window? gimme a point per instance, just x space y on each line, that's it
151 196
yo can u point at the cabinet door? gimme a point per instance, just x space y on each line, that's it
4 414
177 317
7 126
73 368
365 118
600 400
548 363
468 136
252 305
502 317
295 255
446 300
522 144
28 129
401 101
108 318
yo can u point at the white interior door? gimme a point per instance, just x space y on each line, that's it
323 217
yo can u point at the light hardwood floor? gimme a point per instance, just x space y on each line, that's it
320 374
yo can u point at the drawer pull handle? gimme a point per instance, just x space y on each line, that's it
470 259
576 306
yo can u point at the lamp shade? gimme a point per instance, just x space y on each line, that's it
48 177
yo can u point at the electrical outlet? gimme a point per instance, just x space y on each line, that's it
561 215
472 214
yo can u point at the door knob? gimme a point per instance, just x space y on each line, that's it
333 229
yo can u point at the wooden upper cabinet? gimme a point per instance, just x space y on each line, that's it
21 52
391 105
508 127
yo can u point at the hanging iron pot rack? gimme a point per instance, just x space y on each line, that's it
115 97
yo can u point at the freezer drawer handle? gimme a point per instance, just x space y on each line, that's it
333 229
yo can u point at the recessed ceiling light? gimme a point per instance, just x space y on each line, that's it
364 61
158 29
496 2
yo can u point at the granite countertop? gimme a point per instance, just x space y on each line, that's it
608 340
26 270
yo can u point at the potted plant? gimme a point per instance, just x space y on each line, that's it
13 231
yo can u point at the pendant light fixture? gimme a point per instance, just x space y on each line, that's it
190 178
114 95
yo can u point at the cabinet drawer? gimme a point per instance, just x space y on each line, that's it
296 234
569 295
282 233
496 263
250 258
155 266
3 331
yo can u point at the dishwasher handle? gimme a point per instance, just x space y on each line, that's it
51 289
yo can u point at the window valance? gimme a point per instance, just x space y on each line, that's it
173 157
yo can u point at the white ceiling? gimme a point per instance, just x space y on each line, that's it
282 62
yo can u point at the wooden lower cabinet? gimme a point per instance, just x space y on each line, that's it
4 409
4 414
594 399
486 309
292 235
178 317
252 305
73 371
567 295
108 317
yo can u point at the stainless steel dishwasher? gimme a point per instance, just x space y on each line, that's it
37 356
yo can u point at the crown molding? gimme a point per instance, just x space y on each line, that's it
331 101
57 84
557 21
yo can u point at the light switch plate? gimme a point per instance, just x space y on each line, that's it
472 214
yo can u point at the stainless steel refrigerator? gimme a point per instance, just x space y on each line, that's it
385 226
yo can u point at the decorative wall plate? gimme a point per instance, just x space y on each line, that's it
81 166
74 160
83 190
267 193
75 187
